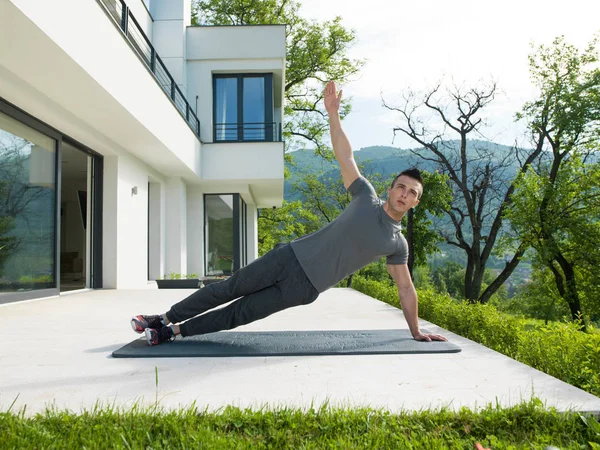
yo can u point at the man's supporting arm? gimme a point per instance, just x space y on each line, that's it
339 140
409 302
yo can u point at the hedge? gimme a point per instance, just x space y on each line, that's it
559 349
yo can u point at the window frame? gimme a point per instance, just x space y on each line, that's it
240 227
268 106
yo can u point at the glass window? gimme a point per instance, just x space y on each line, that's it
254 109
243 108
225 233
219 234
226 109
27 208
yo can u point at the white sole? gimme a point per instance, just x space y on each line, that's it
134 328
148 336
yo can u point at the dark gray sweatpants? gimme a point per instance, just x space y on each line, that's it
271 283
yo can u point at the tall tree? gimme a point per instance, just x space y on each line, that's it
558 207
481 179
559 216
316 53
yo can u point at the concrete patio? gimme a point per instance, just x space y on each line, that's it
57 351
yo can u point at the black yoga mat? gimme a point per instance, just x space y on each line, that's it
286 343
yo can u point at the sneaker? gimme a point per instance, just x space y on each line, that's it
140 323
155 337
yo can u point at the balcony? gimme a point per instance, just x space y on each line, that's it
85 79
135 35
248 132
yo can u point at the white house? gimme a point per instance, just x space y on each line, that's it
132 145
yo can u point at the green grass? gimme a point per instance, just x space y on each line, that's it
526 426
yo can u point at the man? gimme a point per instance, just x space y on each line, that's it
296 273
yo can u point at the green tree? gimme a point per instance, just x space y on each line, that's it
449 279
538 299
316 53
480 177
284 224
326 197
422 238
556 209
559 216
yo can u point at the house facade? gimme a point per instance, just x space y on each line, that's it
132 145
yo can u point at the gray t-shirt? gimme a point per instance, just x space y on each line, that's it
361 234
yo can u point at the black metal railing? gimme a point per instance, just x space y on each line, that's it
144 48
247 132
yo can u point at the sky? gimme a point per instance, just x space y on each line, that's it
414 45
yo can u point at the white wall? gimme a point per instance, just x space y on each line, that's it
176 226
236 42
171 17
252 233
142 15
110 209
195 230
156 230
125 223
243 161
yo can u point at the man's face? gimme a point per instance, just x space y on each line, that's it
405 194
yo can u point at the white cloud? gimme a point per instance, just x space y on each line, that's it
415 44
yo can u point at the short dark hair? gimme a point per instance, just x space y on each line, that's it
412 173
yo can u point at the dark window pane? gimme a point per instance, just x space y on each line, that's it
27 199
219 234
226 109
254 109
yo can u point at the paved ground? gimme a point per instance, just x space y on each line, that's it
57 351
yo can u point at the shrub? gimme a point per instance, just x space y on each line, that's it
559 349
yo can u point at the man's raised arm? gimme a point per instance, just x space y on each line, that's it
339 140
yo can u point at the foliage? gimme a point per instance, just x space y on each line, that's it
538 299
449 279
180 276
284 224
556 207
559 349
422 278
571 214
8 243
316 53
377 270
479 175
527 425
435 201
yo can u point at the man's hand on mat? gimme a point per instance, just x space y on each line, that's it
429 337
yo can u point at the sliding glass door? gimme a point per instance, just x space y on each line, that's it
27 208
